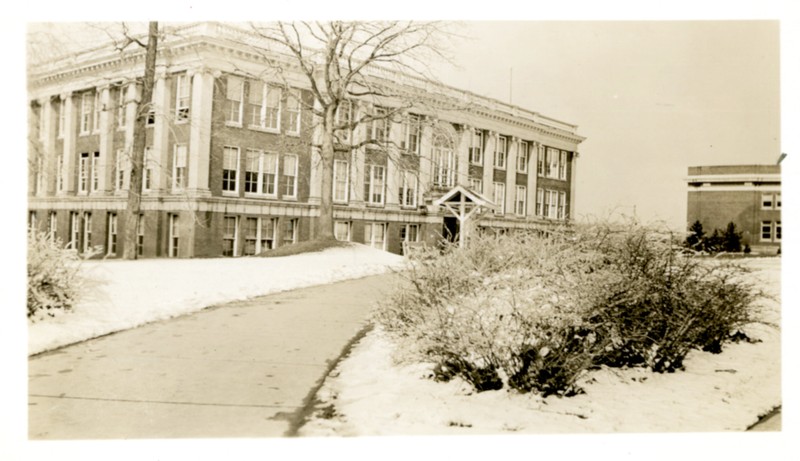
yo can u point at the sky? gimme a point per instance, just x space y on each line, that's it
651 98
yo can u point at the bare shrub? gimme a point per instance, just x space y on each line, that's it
53 281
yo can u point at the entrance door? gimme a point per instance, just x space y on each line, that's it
450 229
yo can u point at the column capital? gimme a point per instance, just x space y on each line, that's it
65 95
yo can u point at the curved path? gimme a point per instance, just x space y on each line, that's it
237 370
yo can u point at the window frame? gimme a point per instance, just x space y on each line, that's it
230 104
501 153
562 166
94 182
370 186
477 159
96 109
768 201
348 225
83 173
337 181
293 224
122 109
183 101
521 201
179 167
522 157
234 180
412 134
369 234
501 201
226 237
86 115
111 235
294 178
62 118
147 169
408 185
295 94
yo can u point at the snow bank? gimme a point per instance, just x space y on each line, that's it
123 294
717 392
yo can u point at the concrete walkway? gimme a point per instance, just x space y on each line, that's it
237 370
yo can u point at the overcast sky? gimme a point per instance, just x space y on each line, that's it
651 97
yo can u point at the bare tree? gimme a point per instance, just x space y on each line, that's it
139 140
348 61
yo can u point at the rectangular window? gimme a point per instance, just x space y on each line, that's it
408 189
96 172
539 202
344 115
766 231
290 231
521 200
778 201
444 167
140 235
562 205
151 112
147 172
87 232
476 148
501 152
269 180
341 230
252 173
552 201
172 243
293 111
62 117
380 126
96 112
182 91
341 181
540 161
120 166
263 105
767 201
86 113
375 235
266 236
74 230
32 221
230 235
499 198
562 166
230 169
409 233
234 94
111 245
251 229
476 185
412 129
273 108
122 110
83 173
59 170
52 228
289 176
179 167
522 157
552 163
778 231
374 181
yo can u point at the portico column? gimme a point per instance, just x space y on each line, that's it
532 179
105 165
425 158
200 132
511 175
462 154
572 176
488 166
315 175
358 160
68 159
160 147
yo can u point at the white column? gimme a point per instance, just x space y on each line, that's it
532 175
574 165
48 138
392 170
200 133
131 109
68 160
106 141
425 160
511 174
488 165
161 101
462 154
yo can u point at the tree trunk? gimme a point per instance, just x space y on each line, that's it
139 140
325 220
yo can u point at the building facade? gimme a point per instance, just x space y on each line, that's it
747 195
230 164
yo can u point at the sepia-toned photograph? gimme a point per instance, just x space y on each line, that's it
356 229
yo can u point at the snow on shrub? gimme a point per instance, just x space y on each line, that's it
53 281
535 312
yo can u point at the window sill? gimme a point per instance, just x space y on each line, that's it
263 129
233 124
260 196
230 193
289 199
293 134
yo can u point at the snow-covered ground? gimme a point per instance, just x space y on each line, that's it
123 294
372 395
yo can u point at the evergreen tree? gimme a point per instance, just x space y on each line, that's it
732 240
696 236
